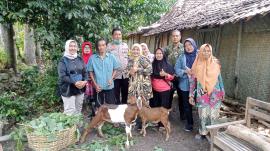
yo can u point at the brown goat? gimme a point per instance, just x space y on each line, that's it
156 114
126 113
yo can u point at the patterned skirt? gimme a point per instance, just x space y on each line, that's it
208 116
140 86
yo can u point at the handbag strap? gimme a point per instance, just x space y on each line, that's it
170 84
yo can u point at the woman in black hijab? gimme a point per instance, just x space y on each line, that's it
161 78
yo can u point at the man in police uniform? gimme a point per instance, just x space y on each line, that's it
120 50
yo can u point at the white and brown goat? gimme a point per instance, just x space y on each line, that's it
126 113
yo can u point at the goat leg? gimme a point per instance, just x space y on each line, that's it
128 132
143 125
141 131
100 133
93 123
169 127
144 128
166 125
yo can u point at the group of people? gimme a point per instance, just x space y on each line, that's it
114 73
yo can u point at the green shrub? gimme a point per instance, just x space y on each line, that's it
14 107
41 88
35 93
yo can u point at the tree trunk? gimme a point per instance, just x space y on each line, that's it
29 45
9 45
38 52
1 37
4 37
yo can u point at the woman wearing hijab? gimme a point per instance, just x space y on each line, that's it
72 79
89 91
206 88
146 52
86 51
163 74
183 72
139 70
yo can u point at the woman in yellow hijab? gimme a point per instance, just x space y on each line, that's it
206 88
139 69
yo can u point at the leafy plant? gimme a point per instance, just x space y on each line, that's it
18 135
29 79
43 91
158 148
115 137
46 125
13 107
35 94
93 146
50 123
110 130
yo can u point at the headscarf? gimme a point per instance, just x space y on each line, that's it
190 57
149 55
140 48
206 71
84 55
158 65
66 53
146 47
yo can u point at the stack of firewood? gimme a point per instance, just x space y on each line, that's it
232 109
249 135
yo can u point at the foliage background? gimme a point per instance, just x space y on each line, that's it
55 21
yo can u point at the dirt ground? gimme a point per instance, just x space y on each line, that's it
179 139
